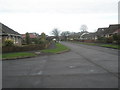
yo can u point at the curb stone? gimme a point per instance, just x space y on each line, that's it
18 58
63 51
36 55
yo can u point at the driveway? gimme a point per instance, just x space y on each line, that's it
83 67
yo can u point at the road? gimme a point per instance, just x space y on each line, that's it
82 67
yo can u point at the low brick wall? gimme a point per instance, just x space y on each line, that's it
23 48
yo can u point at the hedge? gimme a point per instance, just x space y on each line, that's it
8 49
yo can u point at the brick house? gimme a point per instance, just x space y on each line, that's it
8 33
32 35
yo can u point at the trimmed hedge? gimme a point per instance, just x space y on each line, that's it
8 49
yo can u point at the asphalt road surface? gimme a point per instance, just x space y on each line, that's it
82 67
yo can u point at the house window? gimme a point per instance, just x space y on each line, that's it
102 29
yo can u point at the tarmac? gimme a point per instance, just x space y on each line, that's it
82 67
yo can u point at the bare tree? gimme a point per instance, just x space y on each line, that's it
83 28
56 33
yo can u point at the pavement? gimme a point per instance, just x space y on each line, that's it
82 67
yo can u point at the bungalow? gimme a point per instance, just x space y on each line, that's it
77 36
109 31
102 32
89 36
82 35
33 37
113 28
8 33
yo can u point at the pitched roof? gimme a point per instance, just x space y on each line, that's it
117 31
89 35
102 31
7 30
113 28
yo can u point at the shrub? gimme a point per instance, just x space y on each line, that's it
43 37
116 38
9 43
35 40
101 40
43 42
109 40
31 47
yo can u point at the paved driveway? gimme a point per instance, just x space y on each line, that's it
83 67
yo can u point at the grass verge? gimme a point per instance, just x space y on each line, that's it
59 48
0 56
94 44
17 55
102 45
111 46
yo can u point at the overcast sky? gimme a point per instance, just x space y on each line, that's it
66 15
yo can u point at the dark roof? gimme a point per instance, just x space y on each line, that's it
113 28
89 35
7 30
117 31
102 31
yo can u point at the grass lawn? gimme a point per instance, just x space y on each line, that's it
17 55
111 46
84 43
59 48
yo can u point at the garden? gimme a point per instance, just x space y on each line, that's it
12 51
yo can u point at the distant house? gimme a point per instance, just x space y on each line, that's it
82 35
77 36
8 33
102 32
89 36
49 38
32 35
